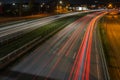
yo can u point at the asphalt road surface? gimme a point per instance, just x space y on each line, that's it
71 54
10 31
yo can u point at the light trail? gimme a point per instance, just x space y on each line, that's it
55 42
14 30
61 57
81 67
72 39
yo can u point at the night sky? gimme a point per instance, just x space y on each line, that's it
71 1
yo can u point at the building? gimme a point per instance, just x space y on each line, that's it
1 8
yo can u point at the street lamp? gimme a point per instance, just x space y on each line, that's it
41 5
110 5
60 2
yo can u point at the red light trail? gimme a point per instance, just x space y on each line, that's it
81 67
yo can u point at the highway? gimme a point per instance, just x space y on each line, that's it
10 31
71 54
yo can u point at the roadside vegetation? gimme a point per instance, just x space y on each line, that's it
42 31
109 27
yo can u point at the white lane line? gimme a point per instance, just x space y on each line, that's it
98 66
97 58
74 55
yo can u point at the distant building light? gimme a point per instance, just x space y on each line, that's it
13 4
110 5
73 8
60 2
48 6
41 5
79 8
96 1
70 7
66 7
25 6
93 6
85 8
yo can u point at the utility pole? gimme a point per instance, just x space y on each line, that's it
20 7
31 5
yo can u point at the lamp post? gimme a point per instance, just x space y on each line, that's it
61 7
110 5
0 3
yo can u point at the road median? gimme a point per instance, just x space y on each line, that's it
18 47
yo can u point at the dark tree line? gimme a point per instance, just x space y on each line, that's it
21 8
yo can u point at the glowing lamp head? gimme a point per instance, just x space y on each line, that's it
0 3
60 2
110 5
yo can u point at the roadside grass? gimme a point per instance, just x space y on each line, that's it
111 44
105 41
42 31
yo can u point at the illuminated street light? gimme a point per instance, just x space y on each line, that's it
60 2
66 7
96 1
41 5
110 5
